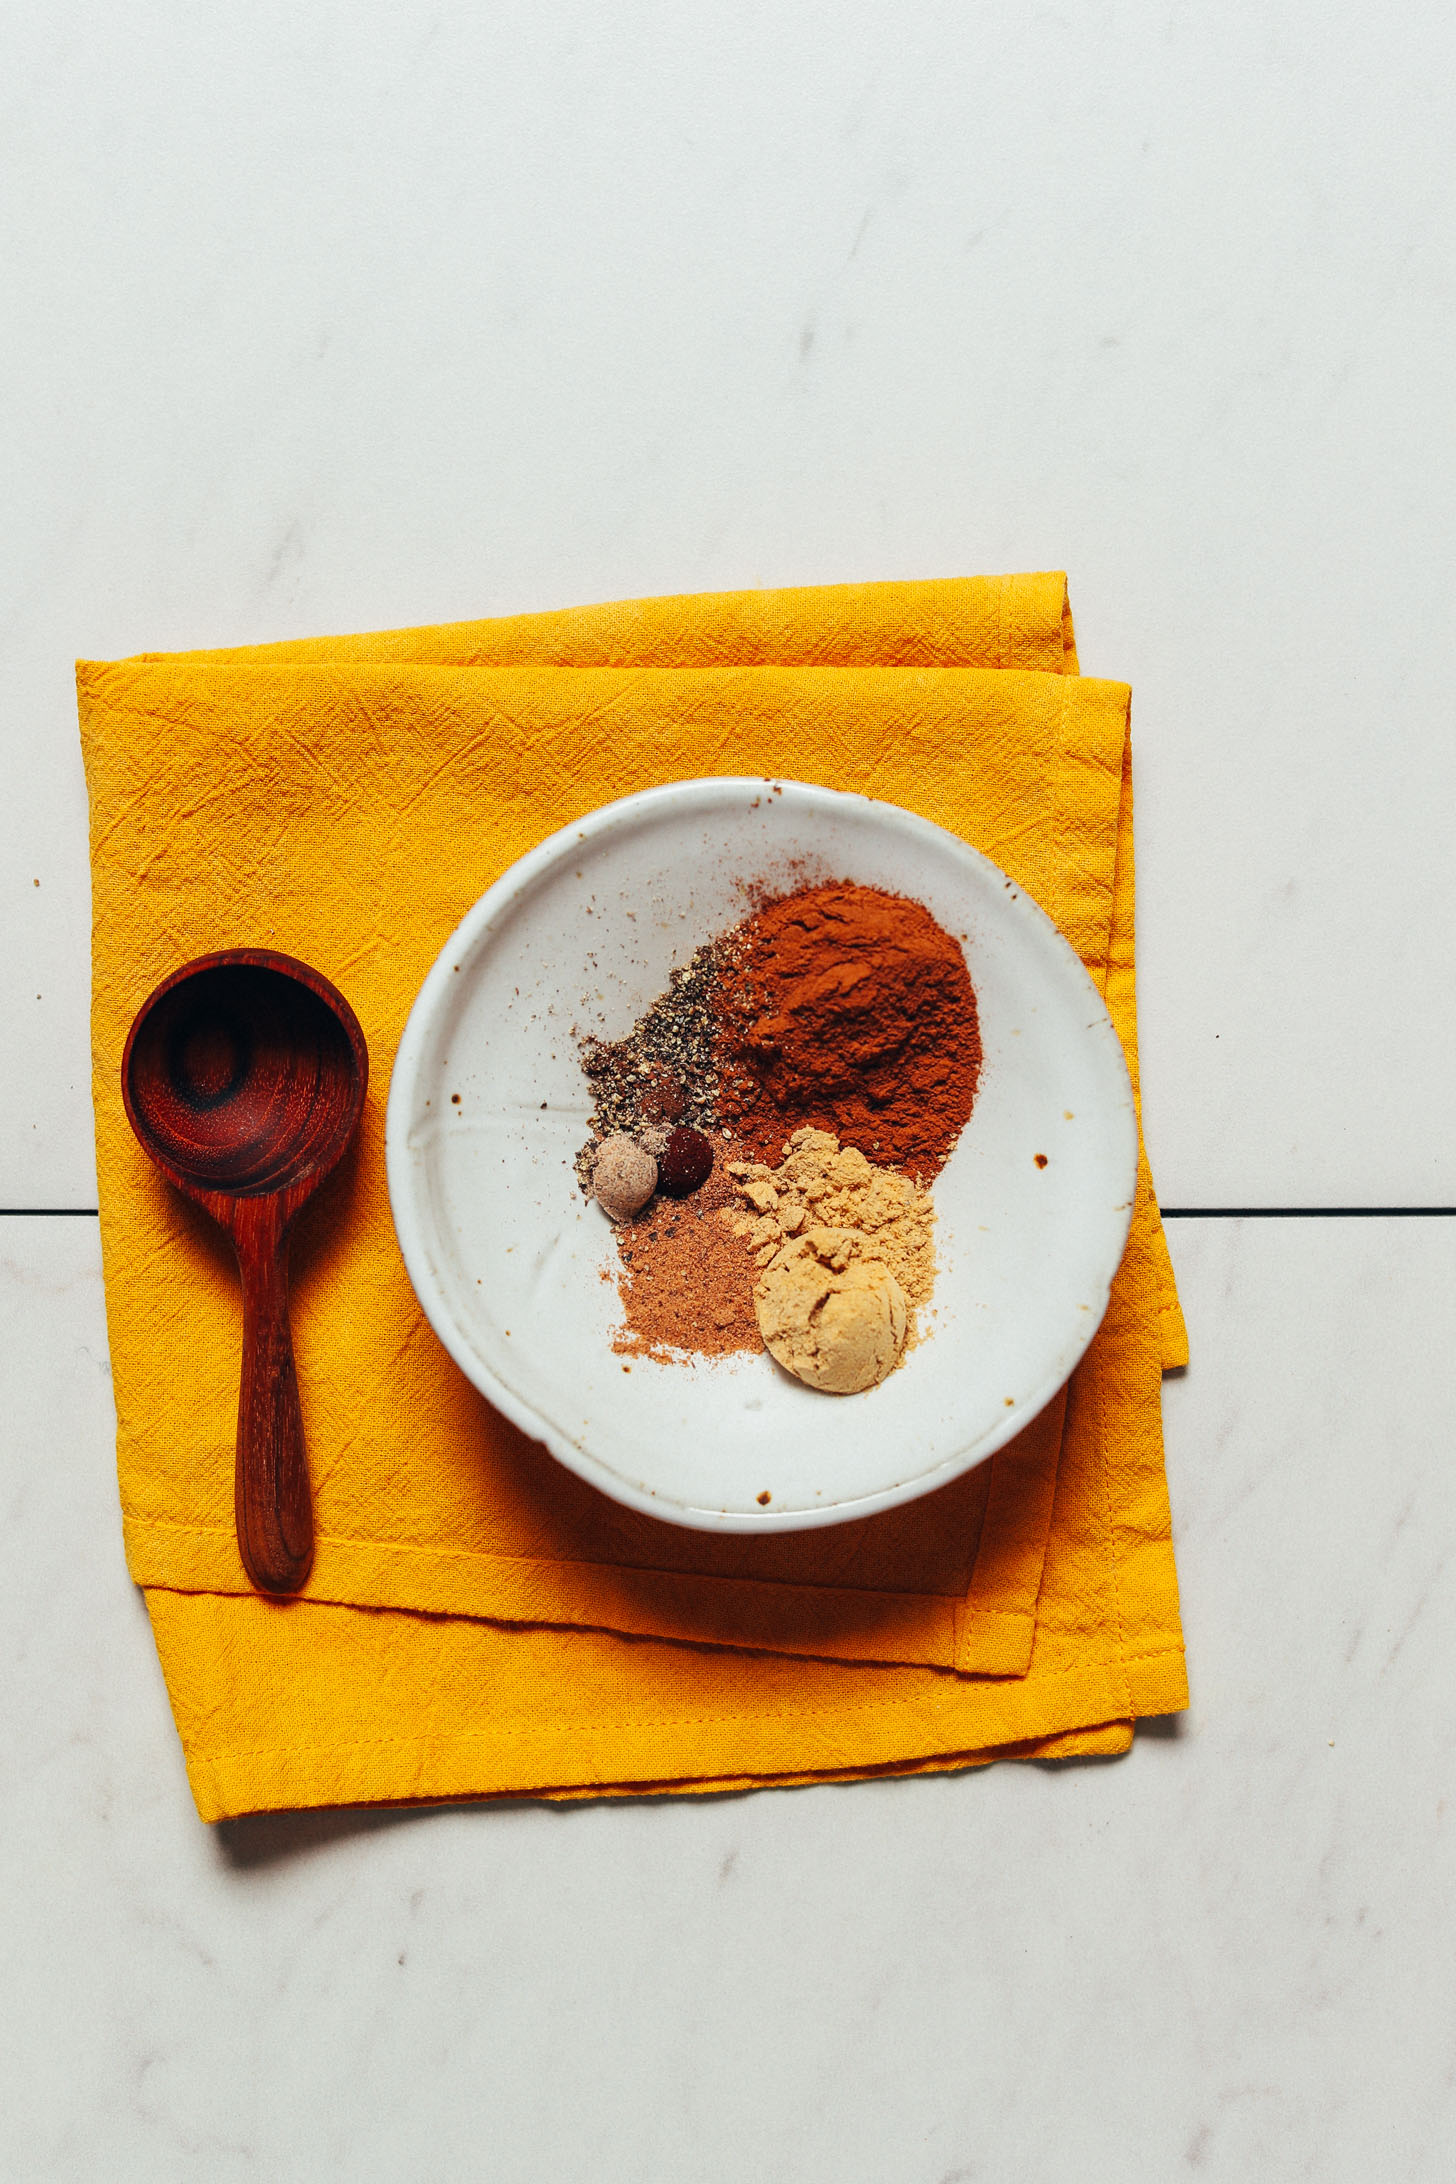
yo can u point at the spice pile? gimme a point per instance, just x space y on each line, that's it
847 1254
852 1010
765 1136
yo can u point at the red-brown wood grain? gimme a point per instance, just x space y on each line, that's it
244 1078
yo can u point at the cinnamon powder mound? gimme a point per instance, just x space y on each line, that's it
849 1009
686 1280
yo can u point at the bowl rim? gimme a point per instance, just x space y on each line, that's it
402 1169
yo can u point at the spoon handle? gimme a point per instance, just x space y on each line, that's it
271 1496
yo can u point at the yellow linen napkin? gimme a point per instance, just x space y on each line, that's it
347 800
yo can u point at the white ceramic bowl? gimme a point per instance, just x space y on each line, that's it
506 1257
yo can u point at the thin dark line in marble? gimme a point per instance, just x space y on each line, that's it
1306 1213
1169 1213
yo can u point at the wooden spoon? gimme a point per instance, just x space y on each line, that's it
244 1077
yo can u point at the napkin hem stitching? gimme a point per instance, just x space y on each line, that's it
964 1599
645 1721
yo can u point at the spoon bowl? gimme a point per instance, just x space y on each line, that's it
244 1078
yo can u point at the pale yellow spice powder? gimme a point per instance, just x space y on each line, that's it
890 1220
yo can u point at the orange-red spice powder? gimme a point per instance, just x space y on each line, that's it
849 1008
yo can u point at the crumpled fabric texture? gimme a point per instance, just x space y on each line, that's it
479 1621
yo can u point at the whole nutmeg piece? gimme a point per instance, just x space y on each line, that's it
686 1161
623 1176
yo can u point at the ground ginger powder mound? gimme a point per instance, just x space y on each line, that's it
834 1320
847 1253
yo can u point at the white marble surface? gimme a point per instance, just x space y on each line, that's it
1228 1954
343 317
371 314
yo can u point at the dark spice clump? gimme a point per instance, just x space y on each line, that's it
685 1162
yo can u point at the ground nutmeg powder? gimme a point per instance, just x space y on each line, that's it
686 1277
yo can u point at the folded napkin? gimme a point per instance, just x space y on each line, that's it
478 1620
